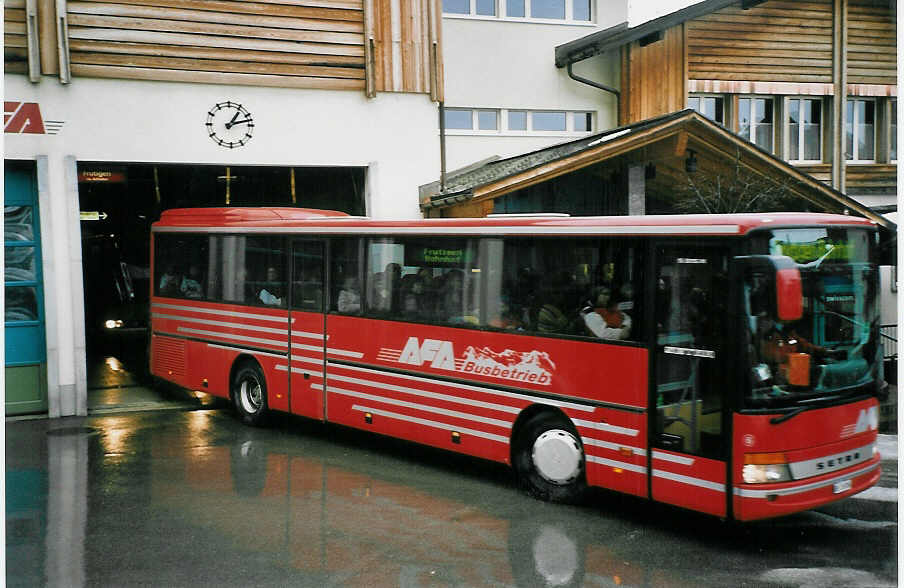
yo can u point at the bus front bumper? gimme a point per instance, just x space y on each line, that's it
762 501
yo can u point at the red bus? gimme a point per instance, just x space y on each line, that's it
728 364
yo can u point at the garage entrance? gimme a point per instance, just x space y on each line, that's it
118 203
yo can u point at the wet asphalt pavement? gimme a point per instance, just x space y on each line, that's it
194 498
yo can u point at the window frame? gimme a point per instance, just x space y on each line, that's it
752 130
801 142
852 127
501 13
701 95
502 122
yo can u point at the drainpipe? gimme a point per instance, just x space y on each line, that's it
442 147
603 87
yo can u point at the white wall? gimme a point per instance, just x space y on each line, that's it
136 121
507 64
641 11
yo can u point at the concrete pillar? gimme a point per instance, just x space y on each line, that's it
67 388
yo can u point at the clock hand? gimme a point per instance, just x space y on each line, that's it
230 124
241 122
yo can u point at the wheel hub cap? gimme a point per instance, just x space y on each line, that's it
557 456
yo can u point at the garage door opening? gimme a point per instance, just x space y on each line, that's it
118 203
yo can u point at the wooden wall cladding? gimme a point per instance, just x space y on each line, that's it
778 41
654 76
871 179
403 46
377 45
871 44
15 47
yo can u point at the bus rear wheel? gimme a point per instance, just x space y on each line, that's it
249 394
549 459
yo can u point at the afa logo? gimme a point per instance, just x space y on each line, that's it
867 420
24 118
534 367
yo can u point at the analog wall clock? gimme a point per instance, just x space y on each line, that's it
229 124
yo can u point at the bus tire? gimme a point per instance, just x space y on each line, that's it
249 394
549 459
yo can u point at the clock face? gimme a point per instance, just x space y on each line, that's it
229 124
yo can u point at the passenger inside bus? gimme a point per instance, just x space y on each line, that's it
191 284
602 316
349 301
271 294
169 281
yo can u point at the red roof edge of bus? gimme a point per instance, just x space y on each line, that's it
735 224
244 214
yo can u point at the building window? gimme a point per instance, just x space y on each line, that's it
488 121
893 131
565 10
804 129
860 130
755 121
459 118
712 107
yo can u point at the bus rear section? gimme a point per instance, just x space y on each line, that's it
604 352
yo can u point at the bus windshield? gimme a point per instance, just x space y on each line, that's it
831 352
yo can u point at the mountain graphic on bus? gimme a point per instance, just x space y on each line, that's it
527 361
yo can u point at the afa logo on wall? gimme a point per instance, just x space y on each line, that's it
25 118
534 367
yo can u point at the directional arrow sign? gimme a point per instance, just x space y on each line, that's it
92 215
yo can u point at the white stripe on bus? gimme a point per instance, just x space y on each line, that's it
747 493
613 446
689 480
426 394
480 389
305 334
679 459
617 464
243 326
248 315
606 427
244 350
490 230
296 370
329 350
303 359
433 424
231 336
416 406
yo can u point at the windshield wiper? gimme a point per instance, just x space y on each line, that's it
816 263
790 415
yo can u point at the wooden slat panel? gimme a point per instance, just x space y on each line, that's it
203 77
871 44
774 41
290 43
256 7
211 65
656 77
126 48
174 26
255 20
213 41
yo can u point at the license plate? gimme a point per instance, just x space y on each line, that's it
840 487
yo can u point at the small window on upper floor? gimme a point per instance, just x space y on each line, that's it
712 107
804 129
860 130
893 131
505 121
755 121
562 10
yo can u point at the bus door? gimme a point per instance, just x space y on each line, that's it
307 345
688 436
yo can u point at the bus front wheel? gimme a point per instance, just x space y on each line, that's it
549 459
249 394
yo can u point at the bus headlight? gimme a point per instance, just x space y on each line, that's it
765 468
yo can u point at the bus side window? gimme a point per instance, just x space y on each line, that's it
345 278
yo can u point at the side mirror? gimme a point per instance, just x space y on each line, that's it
781 286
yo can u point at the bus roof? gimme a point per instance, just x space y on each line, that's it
305 220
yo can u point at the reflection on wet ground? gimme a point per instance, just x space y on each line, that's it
195 498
